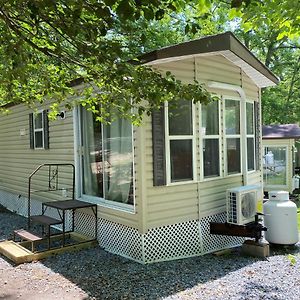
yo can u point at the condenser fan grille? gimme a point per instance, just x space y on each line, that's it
232 211
248 205
241 205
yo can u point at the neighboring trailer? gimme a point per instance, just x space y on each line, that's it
279 157
159 185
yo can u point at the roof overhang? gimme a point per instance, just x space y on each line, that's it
225 44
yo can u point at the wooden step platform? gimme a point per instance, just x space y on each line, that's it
16 251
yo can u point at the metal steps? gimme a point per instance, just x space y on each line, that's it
49 242
32 237
45 220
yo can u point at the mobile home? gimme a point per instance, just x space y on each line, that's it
157 186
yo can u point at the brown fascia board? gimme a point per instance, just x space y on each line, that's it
246 55
207 44
214 43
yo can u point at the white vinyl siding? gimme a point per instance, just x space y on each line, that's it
190 201
18 161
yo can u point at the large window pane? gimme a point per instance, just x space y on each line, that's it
38 139
92 159
38 121
180 119
250 119
107 160
250 153
181 159
211 163
233 156
118 176
232 116
210 118
275 165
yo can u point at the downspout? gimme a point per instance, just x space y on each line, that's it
236 88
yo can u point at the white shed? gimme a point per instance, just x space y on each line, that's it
280 157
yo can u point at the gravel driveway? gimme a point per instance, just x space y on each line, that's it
96 274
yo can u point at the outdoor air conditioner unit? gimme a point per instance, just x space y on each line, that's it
241 204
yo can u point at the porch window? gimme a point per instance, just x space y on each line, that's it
211 139
250 136
181 142
107 159
232 136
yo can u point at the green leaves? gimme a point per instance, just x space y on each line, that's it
292 259
125 9
46 44
282 15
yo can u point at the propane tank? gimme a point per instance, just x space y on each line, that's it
280 218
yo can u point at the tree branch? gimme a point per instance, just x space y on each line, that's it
46 51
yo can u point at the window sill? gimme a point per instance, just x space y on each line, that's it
109 204
232 175
181 183
212 178
253 171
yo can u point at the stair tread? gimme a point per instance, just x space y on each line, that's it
27 235
46 220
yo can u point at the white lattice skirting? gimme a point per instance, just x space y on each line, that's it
169 242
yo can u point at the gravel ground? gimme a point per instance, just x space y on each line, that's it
96 274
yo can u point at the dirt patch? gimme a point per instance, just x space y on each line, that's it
34 281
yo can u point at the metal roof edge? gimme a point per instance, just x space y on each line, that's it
240 50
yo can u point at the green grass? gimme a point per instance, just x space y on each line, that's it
259 206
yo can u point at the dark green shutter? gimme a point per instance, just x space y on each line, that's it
46 129
159 153
31 133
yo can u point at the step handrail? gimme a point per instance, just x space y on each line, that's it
49 165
